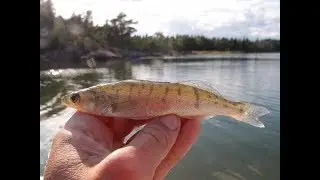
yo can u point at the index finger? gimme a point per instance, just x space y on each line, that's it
188 134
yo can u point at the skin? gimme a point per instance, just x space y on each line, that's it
91 147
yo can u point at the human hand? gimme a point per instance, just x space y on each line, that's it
91 147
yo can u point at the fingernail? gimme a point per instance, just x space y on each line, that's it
170 121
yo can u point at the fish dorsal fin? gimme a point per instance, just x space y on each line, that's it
142 81
201 85
136 81
130 80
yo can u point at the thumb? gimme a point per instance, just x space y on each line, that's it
154 141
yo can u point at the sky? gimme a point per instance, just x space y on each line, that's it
212 18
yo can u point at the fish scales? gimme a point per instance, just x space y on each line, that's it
155 98
167 96
142 99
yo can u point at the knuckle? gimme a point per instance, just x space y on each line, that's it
126 165
62 137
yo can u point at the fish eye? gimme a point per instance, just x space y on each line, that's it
75 97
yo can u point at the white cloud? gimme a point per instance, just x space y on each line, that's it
254 18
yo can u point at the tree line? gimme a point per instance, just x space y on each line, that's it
79 35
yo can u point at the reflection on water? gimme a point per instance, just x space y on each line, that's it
53 84
225 149
121 71
50 91
87 79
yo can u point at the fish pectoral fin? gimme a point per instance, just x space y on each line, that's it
197 117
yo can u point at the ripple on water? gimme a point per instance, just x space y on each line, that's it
225 148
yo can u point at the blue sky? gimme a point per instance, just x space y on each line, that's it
227 18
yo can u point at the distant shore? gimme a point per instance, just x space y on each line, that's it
216 52
215 55
112 58
71 42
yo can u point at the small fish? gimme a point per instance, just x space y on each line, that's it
143 99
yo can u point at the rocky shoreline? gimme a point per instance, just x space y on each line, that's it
71 58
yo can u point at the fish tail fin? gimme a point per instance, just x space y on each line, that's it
251 113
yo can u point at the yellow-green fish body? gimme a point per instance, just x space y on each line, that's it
142 99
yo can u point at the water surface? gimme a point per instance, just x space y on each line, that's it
225 149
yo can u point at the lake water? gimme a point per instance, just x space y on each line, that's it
225 149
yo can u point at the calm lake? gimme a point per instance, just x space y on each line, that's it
225 149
